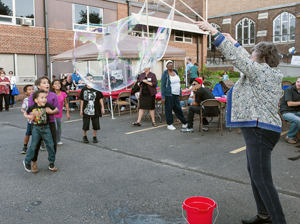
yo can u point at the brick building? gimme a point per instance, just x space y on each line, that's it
251 22
31 31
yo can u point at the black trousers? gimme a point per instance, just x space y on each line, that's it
12 98
259 145
53 132
6 99
195 110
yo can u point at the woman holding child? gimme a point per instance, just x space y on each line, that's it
252 104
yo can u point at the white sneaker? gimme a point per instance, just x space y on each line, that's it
205 127
64 108
184 125
72 109
122 108
171 127
59 143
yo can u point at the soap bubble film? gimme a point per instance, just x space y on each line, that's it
114 54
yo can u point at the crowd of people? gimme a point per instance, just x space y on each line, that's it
252 105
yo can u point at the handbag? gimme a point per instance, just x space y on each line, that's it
15 91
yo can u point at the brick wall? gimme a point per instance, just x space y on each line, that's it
217 7
122 11
22 40
261 24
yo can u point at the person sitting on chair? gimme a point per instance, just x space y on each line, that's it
200 95
290 110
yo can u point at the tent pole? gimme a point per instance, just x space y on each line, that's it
108 78
186 77
51 71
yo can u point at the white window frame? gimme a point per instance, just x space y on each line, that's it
14 17
143 33
209 35
288 28
88 19
250 21
188 40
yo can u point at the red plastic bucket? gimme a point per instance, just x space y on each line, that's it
199 210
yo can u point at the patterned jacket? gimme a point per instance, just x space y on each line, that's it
253 100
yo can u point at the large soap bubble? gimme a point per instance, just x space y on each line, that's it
114 54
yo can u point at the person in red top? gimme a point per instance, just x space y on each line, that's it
4 91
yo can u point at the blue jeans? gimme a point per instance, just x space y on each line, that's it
189 101
259 145
72 98
173 103
294 118
37 133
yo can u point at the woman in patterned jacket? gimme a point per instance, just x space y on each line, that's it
252 106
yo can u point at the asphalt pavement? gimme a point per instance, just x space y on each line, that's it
135 175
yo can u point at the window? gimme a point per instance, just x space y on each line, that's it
182 36
87 18
141 31
23 66
245 32
17 12
210 40
284 28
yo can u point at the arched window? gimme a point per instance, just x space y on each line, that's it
284 28
245 32
210 37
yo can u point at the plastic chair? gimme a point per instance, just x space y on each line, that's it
211 103
120 102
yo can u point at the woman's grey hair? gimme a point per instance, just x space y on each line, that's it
269 52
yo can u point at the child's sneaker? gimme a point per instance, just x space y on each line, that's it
34 168
59 143
95 140
85 139
24 150
27 166
52 167
43 146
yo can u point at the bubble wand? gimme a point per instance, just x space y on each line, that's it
193 21
192 10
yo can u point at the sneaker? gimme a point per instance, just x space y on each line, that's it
72 109
184 125
59 143
85 139
289 140
95 140
171 127
205 127
52 167
34 168
122 108
43 146
24 150
187 130
64 108
27 166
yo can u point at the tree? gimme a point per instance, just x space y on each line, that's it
5 10
93 16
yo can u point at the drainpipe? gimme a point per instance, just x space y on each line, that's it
197 19
128 8
47 40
